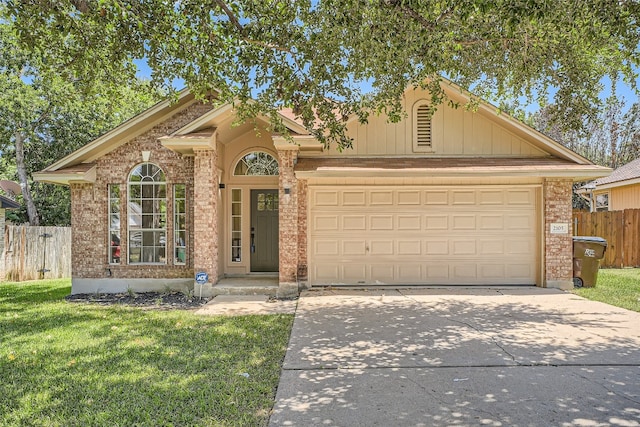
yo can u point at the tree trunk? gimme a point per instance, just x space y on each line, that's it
32 212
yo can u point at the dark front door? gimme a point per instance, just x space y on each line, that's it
264 230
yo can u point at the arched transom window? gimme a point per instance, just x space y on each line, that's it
256 163
147 214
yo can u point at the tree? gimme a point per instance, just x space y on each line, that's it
611 139
315 56
44 116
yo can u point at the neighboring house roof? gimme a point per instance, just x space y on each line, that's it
6 203
625 175
629 171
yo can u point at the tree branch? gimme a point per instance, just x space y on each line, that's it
232 17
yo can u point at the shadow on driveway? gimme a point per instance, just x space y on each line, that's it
459 356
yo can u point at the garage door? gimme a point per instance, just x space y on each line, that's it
422 235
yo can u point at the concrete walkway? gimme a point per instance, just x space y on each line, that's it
459 356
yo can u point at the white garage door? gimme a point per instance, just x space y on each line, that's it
422 235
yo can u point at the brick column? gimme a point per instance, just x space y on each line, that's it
88 236
558 253
288 223
205 213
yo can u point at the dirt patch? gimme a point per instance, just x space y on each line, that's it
148 300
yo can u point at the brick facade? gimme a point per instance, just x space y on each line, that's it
558 253
302 230
288 218
205 212
89 205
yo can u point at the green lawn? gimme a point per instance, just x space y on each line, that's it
76 364
616 287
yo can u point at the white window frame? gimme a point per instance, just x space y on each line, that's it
114 215
138 217
602 206
180 235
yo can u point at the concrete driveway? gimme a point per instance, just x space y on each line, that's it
459 356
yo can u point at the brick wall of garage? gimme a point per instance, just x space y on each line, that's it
89 204
302 229
558 255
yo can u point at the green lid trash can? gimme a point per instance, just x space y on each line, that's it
587 253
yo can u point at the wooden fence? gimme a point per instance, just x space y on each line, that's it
32 253
621 229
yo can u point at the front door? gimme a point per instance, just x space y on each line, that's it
264 230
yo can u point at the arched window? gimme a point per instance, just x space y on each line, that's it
256 163
422 114
147 214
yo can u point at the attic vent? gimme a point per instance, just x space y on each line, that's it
422 128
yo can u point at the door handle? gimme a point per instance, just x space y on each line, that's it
253 243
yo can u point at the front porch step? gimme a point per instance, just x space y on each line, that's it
259 285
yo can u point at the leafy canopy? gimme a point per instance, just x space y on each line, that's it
46 113
315 56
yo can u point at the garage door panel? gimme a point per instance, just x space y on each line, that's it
491 221
382 273
381 222
353 198
354 247
438 273
490 272
463 197
326 273
463 222
325 223
437 198
381 247
491 197
463 273
354 222
411 198
436 222
409 247
381 198
463 247
437 247
354 273
520 197
519 271
410 273
409 222
432 235
326 247
520 222
325 198
491 247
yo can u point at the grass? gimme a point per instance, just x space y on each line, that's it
75 364
616 287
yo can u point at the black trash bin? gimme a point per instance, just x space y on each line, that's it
587 253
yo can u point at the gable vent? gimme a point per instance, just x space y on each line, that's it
423 126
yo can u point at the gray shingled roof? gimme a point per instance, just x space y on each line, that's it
629 171
7 203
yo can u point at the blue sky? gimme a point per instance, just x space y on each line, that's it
623 91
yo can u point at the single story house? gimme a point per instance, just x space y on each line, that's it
616 192
457 198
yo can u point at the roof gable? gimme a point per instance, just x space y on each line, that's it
485 132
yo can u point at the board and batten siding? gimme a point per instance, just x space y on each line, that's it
627 197
454 132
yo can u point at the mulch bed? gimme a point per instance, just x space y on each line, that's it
148 300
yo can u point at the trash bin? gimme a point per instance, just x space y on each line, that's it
587 253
